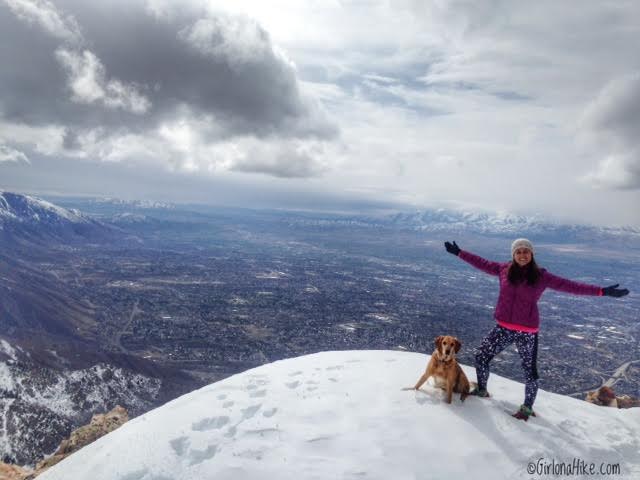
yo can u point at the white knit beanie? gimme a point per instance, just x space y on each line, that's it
521 243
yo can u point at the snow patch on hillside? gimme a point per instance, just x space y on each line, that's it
345 415
25 208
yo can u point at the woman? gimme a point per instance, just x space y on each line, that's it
522 283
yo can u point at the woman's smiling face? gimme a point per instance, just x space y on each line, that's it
522 256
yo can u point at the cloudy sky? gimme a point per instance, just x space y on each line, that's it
524 107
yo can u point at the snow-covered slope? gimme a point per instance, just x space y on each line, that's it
40 402
27 220
336 415
24 208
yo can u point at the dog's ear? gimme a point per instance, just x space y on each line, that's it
458 345
438 341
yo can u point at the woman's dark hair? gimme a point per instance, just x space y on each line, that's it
530 272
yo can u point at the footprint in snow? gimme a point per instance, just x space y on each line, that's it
293 384
258 394
249 412
227 404
135 475
251 454
269 413
199 456
424 396
222 397
259 380
213 423
294 374
335 367
179 445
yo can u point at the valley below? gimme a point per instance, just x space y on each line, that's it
183 298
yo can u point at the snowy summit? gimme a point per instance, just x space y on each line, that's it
342 415
25 208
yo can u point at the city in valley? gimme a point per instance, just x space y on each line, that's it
136 305
216 292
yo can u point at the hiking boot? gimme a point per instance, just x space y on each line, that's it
524 413
480 392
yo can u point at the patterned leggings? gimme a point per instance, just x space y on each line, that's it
497 340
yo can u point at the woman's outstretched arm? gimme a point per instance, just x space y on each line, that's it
570 286
487 266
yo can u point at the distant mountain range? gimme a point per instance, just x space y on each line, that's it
96 216
498 224
459 223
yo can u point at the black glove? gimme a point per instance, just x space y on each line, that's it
454 248
614 291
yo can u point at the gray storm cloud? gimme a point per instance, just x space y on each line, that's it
106 69
611 124
288 160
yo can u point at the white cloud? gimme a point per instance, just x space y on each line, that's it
291 159
616 171
88 83
8 154
239 40
46 16
46 140
87 75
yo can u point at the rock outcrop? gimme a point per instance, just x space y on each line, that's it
13 472
100 425
606 397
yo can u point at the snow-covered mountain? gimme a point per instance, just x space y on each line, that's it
24 218
502 223
340 415
41 402
25 208
137 204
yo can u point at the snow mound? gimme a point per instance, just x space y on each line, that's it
344 415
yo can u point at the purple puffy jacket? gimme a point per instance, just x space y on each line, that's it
517 307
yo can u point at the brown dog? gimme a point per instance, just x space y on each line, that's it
444 368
